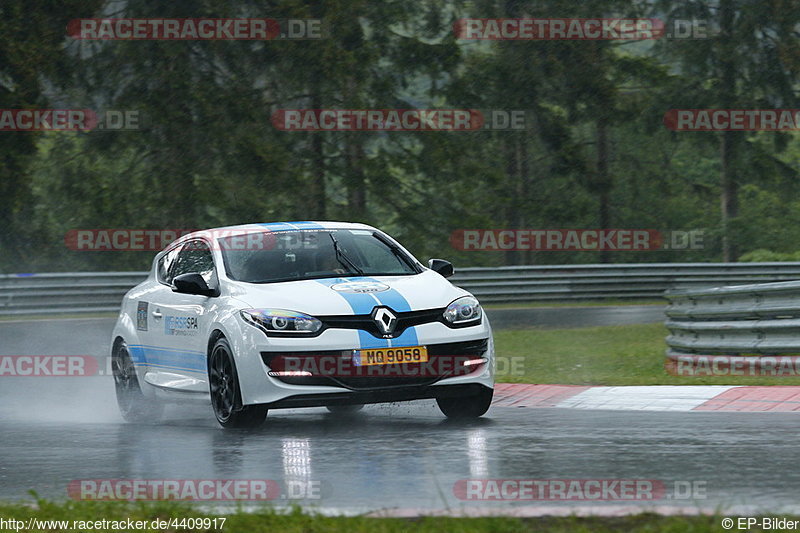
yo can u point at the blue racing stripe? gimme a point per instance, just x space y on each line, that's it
367 340
393 299
360 303
364 303
306 225
408 338
277 226
163 357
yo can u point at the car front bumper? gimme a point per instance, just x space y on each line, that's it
258 387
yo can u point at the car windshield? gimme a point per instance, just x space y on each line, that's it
312 254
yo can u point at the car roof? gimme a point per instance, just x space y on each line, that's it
244 229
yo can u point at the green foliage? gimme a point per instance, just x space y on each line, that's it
207 154
268 519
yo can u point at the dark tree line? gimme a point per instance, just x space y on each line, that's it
595 153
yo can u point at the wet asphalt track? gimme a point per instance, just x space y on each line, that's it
406 456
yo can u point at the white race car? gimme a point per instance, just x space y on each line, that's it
298 314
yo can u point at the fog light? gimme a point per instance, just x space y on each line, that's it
289 373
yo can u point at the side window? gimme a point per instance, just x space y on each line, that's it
164 264
195 256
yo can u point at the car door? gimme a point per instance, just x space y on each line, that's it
177 357
149 323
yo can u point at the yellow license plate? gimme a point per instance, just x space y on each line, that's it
389 356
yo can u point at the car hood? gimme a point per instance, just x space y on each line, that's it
350 295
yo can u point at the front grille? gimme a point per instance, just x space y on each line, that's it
365 322
335 367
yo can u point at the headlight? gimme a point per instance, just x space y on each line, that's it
465 311
281 322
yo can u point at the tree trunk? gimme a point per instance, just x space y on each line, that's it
729 202
513 212
316 198
603 184
357 193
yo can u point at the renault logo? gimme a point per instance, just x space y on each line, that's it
384 319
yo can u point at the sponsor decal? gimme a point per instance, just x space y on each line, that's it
360 287
141 316
180 326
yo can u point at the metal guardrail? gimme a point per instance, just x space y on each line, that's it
759 319
615 281
74 292
102 292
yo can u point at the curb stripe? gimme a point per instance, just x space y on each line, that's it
518 395
755 399
683 398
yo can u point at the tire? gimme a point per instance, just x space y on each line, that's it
133 405
467 406
226 396
344 409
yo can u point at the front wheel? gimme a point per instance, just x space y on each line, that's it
133 404
467 406
226 396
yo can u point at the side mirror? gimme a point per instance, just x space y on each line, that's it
445 268
193 283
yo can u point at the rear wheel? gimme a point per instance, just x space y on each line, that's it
467 406
344 409
133 404
226 396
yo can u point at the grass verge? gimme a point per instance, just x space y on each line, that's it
270 520
612 355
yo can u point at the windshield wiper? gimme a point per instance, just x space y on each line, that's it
343 259
398 253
